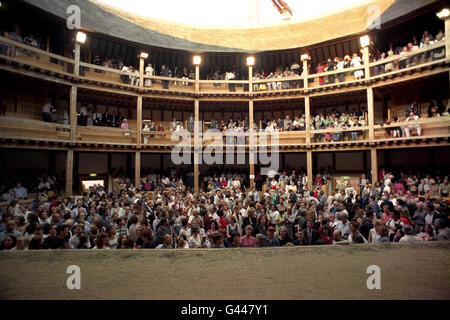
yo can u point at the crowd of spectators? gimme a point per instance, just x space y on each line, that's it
17 35
92 117
17 184
164 214
436 109
405 56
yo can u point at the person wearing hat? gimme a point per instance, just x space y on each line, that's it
271 241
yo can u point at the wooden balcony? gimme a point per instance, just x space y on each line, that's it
103 78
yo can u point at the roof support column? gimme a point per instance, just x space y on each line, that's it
370 112
197 144
251 147
73 112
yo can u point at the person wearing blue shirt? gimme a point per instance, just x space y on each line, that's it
20 192
271 241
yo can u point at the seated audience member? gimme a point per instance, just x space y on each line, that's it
247 240
20 192
411 127
409 237
124 124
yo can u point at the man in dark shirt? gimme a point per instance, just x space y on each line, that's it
310 234
57 238
162 230
147 239
367 224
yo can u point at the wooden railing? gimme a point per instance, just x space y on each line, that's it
18 127
131 80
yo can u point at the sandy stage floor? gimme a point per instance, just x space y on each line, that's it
408 271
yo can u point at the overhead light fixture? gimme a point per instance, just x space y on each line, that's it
144 55
250 61
81 37
304 57
444 13
197 60
365 41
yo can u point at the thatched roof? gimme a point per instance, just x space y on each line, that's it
114 22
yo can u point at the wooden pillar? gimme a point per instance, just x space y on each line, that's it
139 120
366 62
73 112
250 79
251 143
197 78
69 172
370 112
309 169
197 146
76 69
447 38
305 73
308 120
141 72
374 165
137 169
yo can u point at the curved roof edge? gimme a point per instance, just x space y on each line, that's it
156 33
99 20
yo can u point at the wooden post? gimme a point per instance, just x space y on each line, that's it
250 79
137 169
76 67
309 168
370 112
73 112
251 144
197 78
197 145
374 165
447 38
139 121
69 173
141 72
308 120
366 62
305 74
48 44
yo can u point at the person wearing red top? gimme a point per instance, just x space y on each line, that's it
222 220
405 217
248 241
398 186
326 235
321 69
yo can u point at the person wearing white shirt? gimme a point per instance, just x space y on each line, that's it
74 241
20 192
411 127
409 237
149 71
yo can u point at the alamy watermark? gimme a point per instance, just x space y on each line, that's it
73 21
226 147
74 280
374 281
